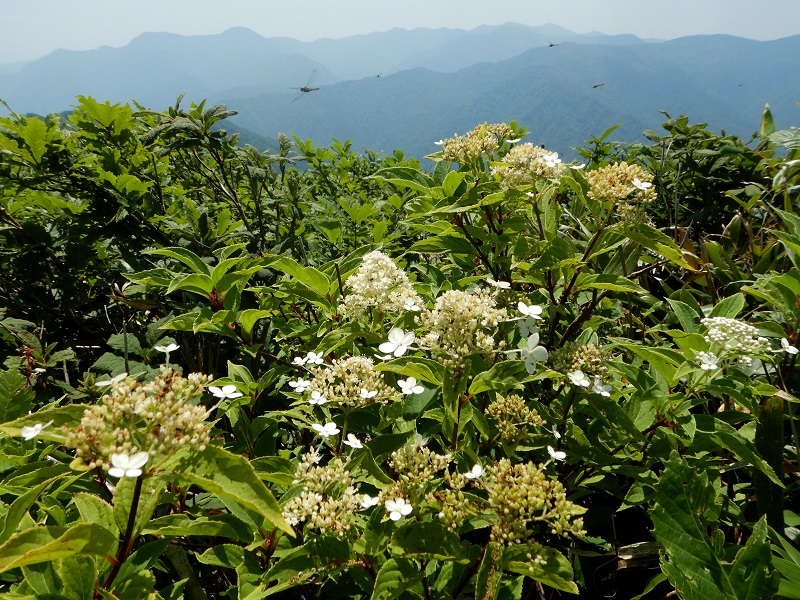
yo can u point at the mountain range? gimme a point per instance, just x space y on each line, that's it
407 88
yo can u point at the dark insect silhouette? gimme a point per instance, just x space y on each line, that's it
307 87
598 84
552 45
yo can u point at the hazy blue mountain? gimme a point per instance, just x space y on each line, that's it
721 80
405 89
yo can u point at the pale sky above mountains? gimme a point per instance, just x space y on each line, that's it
31 29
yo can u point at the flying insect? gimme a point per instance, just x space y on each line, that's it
307 87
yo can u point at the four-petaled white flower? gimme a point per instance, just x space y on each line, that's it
419 441
556 454
353 442
641 185
411 305
555 432
367 394
226 391
533 352
167 349
475 473
786 347
397 508
31 431
503 285
326 430
317 398
368 501
112 381
301 385
409 386
534 311
439 143
601 388
299 361
708 360
312 358
398 343
552 160
123 465
579 379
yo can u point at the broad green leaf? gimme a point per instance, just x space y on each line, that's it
149 499
427 541
182 525
395 577
16 398
652 239
406 177
79 576
230 476
187 257
198 283
550 567
19 508
43 544
729 307
607 281
695 561
309 276
505 375
686 315
64 415
423 369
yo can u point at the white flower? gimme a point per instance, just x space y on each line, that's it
411 305
398 343
312 358
325 430
555 433
317 398
533 352
31 431
368 501
514 141
419 441
301 385
353 442
367 394
409 386
641 185
708 360
577 167
226 391
578 378
397 508
123 465
533 311
112 381
439 143
384 356
475 473
552 160
785 347
556 454
601 388
527 326
299 361
167 349
503 285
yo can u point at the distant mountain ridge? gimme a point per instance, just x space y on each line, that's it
404 89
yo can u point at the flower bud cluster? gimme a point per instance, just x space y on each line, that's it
456 325
734 338
512 414
158 417
527 163
484 139
522 495
378 284
587 358
628 186
416 469
329 500
343 381
453 504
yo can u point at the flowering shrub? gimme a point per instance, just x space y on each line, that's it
398 383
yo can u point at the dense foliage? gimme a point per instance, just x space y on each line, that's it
318 373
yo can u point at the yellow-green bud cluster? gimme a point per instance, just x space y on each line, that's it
452 503
615 183
456 327
527 163
484 139
522 496
416 469
580 357
328 502
512 415
341 382
158 417
378 284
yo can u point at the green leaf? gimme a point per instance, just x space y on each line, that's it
427 541
445 243
509 374
694 561
550 567
187 257
395 577
406 177
729 307
423 369
308 276
65 415
687 316
16 398
149 498
652 239
607 281
43 544
19 508
228 476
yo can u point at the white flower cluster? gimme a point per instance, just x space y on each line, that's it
379 284
456 325
733 337
526 163
348 382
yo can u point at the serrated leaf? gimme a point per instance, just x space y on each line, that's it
43 544
309 276
16 398
395 577
187 257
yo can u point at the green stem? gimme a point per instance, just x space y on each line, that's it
126 545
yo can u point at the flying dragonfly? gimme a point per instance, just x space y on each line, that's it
598 84
307 87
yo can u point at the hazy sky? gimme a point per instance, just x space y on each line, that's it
32 28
